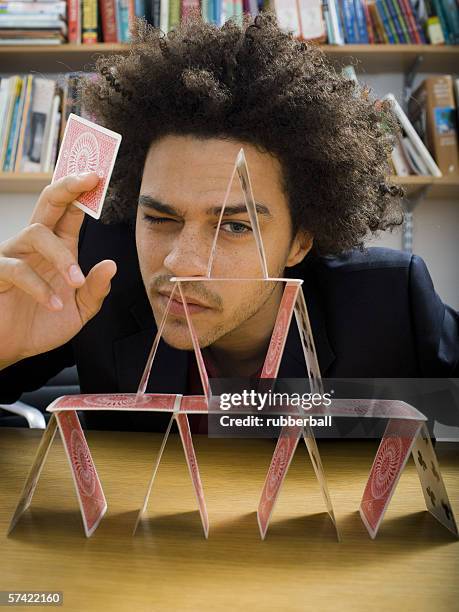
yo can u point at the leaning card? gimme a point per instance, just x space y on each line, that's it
88 147
391 457
433 487
280 462
187 441
87 484
35 471
280 331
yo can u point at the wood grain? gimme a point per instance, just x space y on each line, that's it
168 565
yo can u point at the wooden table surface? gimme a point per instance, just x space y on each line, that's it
168 565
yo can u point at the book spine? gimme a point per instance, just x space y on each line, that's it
156 13
451 12
388 27
369 25
361 22
238 10
74 21
123 19
441 16
22 112
336 22
327 19
419 18
139 8
174 13
24 123
413 26
188 6
392 22
441 123
13 125
217 11
164 16
348 12
403 32
108 17
89 35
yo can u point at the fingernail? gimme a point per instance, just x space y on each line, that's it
75 274
56 302
84 175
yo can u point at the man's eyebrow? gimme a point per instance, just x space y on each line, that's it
214 211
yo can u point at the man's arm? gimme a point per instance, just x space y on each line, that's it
32 373
436 325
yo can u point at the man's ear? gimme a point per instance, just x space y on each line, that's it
300 247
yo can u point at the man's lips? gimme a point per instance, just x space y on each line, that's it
177 307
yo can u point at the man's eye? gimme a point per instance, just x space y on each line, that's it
156 220
236 228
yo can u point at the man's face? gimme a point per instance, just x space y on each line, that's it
184 183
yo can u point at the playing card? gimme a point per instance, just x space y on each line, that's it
88 147
240 167
311 445
371 408
388 464
307 341
280 462
194 404
151 357
187 441
34 472
244 178
161 402
433 487
155 469
197 350
280 331
89 490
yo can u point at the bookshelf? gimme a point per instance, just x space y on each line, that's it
371 58
445 187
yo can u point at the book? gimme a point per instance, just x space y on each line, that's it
432 110
24 117
164 16
47 163
107 11
287 16
122 20
74 21
399 159
8 163
43 92
415 140
349 20
311 21
174 13
188 6
13 85
89 21
415 161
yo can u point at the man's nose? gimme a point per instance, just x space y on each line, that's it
189 255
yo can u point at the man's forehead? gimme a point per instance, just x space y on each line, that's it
194 174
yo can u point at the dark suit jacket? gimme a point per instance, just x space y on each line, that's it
373 314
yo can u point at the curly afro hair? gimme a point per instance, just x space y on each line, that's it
253 83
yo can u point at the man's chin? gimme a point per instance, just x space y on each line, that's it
181 342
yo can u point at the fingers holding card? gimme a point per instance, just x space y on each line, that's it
88 147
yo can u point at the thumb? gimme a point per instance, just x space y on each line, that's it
89 298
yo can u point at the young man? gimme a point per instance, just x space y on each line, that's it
318 157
